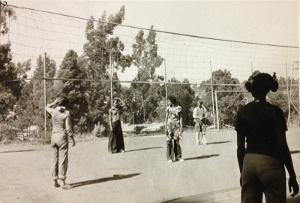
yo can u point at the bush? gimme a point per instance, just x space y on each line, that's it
7 132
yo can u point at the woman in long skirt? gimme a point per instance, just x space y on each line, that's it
116 139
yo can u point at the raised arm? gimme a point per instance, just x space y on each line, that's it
50 106
122 102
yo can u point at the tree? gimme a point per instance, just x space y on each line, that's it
32 101
71 83
101 53
229 96
11 76
145 57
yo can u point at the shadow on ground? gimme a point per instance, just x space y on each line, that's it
27 150
143 149
295 152
224 196
201 157
101 180
209 143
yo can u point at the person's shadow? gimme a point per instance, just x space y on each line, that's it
101 180
295 152
223 142
202 157
143 149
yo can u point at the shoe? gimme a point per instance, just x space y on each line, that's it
56 185
169 161
181 160
123 151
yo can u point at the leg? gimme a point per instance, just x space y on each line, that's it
197 130
64 164
169 150
203 134
54 165
112 142
120 138
252 190
273 178
177 150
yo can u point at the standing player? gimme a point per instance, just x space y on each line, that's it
173 123
200 128
61 133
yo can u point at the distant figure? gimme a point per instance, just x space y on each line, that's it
199 114
173 123
263 157
12 114
61 133
116 139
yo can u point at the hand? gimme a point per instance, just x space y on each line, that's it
57 100
73 142
293 186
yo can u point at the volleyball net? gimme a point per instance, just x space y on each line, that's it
186 58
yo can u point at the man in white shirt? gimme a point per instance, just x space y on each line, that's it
200 128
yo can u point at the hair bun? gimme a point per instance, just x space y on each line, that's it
249 86
274 86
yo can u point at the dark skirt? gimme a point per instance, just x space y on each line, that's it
116 139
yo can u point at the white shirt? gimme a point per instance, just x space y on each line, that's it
199 113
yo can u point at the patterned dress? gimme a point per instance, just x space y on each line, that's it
173 123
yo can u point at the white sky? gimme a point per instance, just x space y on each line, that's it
268 22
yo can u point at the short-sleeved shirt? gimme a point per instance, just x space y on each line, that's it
60 120
260 123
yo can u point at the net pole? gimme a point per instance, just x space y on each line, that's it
0 18
288 95
212 95
166 82
45 94
111 76
217 112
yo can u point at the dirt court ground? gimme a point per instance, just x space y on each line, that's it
140 175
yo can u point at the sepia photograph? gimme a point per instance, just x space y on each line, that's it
149 101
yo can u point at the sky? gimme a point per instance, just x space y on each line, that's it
267 22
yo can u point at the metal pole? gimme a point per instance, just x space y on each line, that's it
217 111
0 19
288 95
212 95
111 76
166 89
45 95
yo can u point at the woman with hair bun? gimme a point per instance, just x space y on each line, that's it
263 158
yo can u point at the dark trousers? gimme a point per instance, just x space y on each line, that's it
173 149
116 139
263 174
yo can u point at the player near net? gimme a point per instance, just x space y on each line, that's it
199 114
